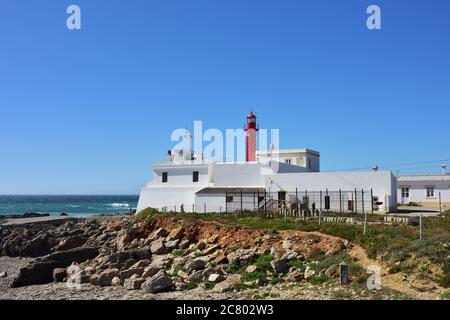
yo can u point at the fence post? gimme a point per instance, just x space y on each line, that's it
362 200
204 207
340 201
265 197
254 201
226 202
296 202
356 202
420 227
440 203
371 200
320 210
257 210
193 208
241 201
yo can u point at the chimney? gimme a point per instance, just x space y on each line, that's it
444 167
374 168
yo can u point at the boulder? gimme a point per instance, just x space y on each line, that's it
105 278
70 243
158 264
158 247
279 266
201 245
172 244
4 274
133 283
212 249
160 282
295 276
115 282
221 259
228 283
184 244
125 274
331 272
215 278
196 264
141 264
157 234
242 257
309 272
290 255
176 234
59 274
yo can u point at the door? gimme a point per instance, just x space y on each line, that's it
405 195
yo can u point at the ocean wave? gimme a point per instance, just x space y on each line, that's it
119 205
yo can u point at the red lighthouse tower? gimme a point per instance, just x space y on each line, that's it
250 130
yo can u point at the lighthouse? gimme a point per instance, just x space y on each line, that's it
250 129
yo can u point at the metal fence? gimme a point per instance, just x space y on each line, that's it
302 203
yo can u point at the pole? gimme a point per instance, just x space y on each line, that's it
440 203
226 202
193 208
265 197
296 202
371 199
241 201
420 227
362 200
320 211
356 202
257 210
204 207
340 201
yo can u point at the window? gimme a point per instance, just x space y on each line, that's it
405 192
288 161
229 199
195 176
430 192
164 177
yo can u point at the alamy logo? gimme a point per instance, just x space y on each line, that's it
374 20
374 280
73 21
74 277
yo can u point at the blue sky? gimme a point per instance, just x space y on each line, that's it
87 111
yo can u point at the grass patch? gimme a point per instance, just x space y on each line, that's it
178 252
191 285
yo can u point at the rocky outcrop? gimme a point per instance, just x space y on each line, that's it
41 270
163 254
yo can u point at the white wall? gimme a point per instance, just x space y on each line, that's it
158 197
215 202
238 175
180 176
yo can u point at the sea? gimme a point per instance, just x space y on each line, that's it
72 205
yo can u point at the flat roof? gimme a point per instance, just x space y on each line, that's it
424 177
230 189
284 151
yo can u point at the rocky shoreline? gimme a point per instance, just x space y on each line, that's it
121 257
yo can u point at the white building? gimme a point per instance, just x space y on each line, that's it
426 190
306 158
279 179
